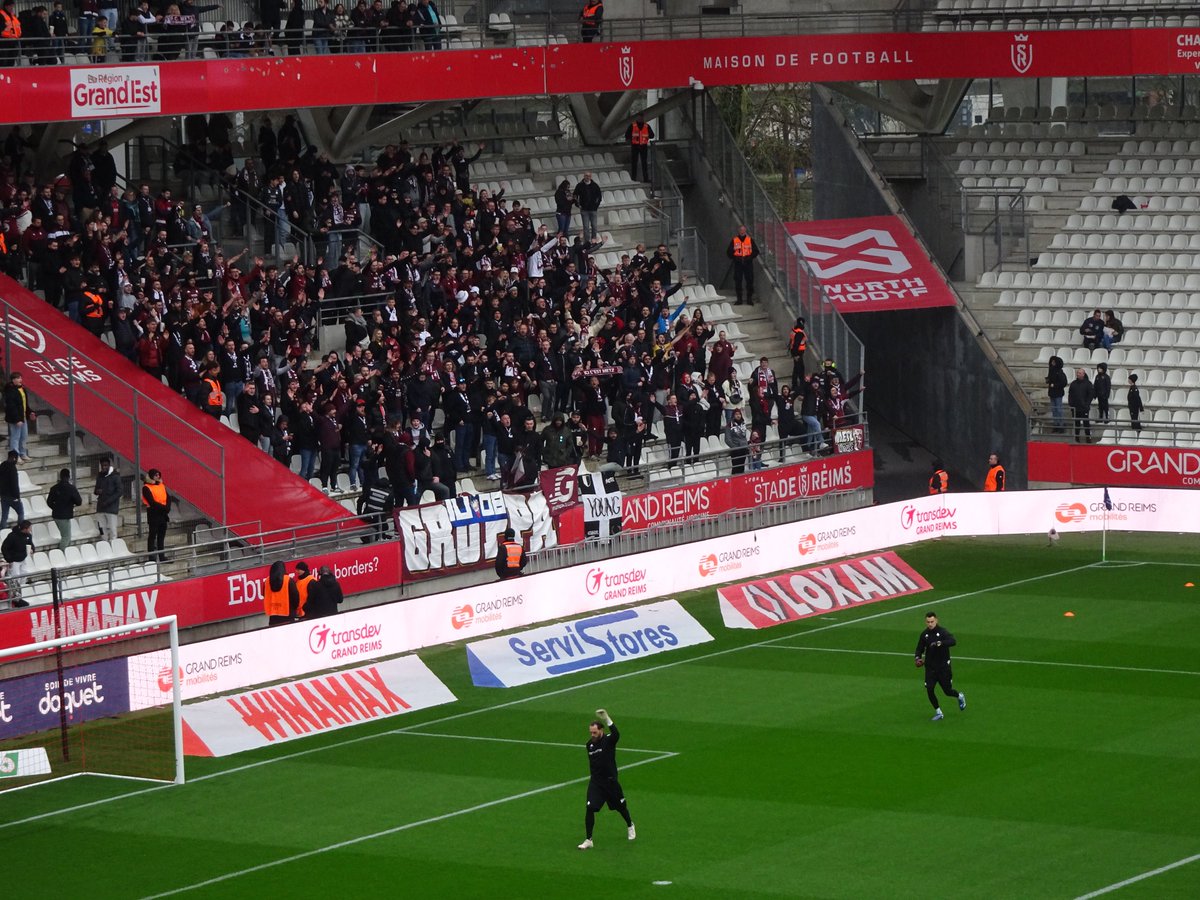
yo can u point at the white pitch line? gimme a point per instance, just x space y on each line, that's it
576 687
500 740
1180 863
992 659
341 845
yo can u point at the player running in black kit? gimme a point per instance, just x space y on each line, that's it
933 652
604 787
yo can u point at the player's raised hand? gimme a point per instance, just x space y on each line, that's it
920 662
603 716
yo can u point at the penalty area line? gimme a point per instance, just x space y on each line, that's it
993 659
408 826
1116 886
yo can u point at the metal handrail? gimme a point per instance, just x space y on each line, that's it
717 147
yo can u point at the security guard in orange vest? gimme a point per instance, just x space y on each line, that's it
280 597
211 399
158 513
639 134
742 251
797 345
510 558
591 18
10 33
303 579
939 482
92 309
995 475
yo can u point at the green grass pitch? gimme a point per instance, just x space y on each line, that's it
797 761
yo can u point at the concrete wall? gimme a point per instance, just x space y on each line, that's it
926 372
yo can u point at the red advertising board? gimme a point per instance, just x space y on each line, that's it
841 472
870 264
1110 464
51 93
197 601
813 592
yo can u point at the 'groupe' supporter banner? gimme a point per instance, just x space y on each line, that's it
357 636
51 93
460 533
813 592
196 601
1108 464
285 712
840 472
583 644
870 264
31 703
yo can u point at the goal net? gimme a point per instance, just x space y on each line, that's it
99 703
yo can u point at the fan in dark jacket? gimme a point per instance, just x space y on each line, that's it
62 500
324 596
109 489
10 489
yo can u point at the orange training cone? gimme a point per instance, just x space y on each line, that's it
1189 584
1069 614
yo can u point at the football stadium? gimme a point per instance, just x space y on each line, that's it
530 448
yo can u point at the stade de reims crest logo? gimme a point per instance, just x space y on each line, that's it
625 65
872 250
23 334
1021 53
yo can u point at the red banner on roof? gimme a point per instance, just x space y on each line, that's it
870 264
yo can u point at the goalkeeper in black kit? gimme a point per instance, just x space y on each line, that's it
933 652
603 786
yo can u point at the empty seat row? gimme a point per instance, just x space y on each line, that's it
1123 261
1161 147
1027 130
1131 221
581 162
1142 308
1014 167
1034 185
100 551
1099 281
1082 240
1020 148
1138 165
1137 184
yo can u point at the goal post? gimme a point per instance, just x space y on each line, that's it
93 704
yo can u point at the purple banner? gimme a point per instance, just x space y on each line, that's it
30 703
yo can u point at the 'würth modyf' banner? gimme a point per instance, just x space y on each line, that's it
870 264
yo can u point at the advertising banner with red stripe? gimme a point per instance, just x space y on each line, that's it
197 601
1124 464
814 592
871 264
53 93
840 472
275 715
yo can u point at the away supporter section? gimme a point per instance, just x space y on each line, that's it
59 93
140 418
240 661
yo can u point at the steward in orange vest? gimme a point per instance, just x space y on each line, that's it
280 597
302 578
995 475
591 18
939 482
510 558
211 399
639 134
797 345
742 251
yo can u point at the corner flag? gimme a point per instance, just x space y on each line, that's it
1107 501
